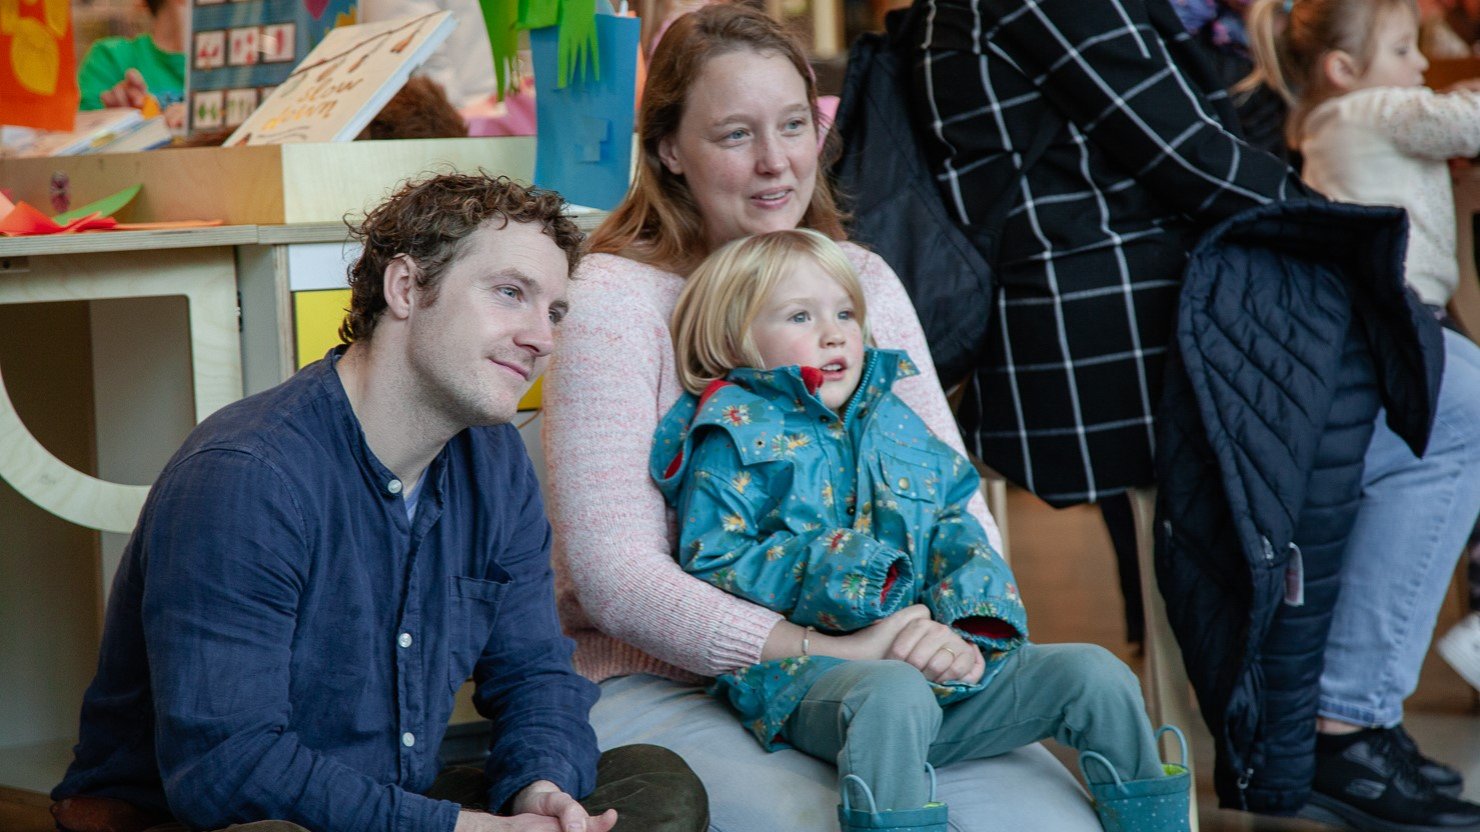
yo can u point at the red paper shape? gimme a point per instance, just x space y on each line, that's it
25 221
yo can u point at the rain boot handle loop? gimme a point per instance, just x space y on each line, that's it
1181 741
868 793
1085 756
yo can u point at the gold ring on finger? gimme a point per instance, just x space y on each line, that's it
948 650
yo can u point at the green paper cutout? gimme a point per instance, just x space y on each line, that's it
105 207
537 14
577 50
501 18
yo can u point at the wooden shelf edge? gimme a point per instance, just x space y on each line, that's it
28 772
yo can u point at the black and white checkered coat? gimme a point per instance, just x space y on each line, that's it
1093 251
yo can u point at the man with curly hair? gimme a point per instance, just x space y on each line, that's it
322 565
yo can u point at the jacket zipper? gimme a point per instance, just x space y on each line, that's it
868 373
1246 776
1243 788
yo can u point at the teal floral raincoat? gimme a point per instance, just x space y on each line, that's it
834 521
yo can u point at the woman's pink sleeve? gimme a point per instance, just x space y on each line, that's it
894 325
601 406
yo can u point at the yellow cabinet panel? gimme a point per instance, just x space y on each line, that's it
317 316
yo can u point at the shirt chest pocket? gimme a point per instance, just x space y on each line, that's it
906 500
473 610
910 479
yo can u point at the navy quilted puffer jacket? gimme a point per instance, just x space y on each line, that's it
1294 329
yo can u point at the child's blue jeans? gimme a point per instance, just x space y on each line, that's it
880 720
1415 517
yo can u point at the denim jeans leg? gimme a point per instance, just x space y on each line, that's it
1410 531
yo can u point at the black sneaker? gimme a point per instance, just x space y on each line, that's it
1367 781
1446 779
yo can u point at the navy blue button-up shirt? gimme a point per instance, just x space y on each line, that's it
282 643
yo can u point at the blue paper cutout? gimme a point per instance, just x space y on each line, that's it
583 146
597 132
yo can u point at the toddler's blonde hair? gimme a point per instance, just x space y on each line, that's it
721 299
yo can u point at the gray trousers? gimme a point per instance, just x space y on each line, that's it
881 721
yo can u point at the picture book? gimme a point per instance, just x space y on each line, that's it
111 130
342 84
241 49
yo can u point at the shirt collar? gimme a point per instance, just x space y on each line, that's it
378 477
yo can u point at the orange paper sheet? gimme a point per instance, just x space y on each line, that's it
21 219
25 221
164 226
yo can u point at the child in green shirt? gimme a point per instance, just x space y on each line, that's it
125 72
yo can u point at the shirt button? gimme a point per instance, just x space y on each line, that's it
408 739
904 483
404 640
394 486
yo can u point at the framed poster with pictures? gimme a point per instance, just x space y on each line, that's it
242 48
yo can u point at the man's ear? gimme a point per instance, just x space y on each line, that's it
668 157
399 285
1340 70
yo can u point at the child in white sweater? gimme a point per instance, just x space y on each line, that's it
1369 130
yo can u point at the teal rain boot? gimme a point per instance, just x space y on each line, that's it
1159 805
928 818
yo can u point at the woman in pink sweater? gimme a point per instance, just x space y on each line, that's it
729 148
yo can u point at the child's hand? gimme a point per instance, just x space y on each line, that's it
873 642
130 92
1467 85
939 653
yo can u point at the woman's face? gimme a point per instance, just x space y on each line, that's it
746 145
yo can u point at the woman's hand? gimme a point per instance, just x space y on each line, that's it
908 635
874 641
869 644
937 651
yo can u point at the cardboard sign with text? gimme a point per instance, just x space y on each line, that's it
344 81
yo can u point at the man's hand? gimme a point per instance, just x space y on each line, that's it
544 799
130 92
484 822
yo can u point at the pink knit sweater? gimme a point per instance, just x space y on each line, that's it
622 596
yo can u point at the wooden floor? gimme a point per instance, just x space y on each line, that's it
1066 571
24 813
